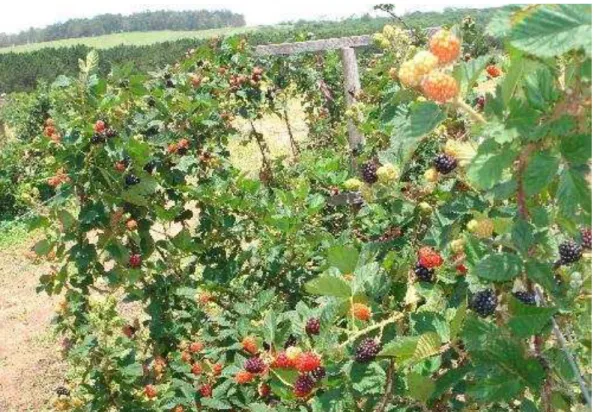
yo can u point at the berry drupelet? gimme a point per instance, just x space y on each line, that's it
423 273
569 252
303 386
318 373
367 350
526 298
587 238
369 173
484 302
312 326
445 163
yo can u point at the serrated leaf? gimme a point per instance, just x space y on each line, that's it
467 73
419 387
576 149
327 285
541 273
486 169
553 30
573 191
343 257
540 171
428 345
42 247
498 267
513 78
528 320
522 235
458 320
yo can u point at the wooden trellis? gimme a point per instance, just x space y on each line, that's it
347 45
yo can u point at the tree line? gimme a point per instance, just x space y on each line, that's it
117 23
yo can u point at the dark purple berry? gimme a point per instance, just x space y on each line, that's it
254 365
291 341
303 385
109 133
369 173
318 373
569 252
526 298
445 163
62 391
424 274
131 180
484 302
587 238
312 326
150 167
367 350
97 139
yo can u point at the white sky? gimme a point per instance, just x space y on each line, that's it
17 15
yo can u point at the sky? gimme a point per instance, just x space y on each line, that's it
22 14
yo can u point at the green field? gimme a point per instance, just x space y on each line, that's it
132 38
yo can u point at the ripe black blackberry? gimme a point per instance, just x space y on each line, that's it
367 350
291 341
169 84
131 180
254 365
97 138
587 238
312 326
303 385
369 173
318 373
423 273
151 102
525 297
484 302
150 167
62 391
569 252
445 163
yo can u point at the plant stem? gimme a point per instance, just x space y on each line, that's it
388 388
368 329
478 118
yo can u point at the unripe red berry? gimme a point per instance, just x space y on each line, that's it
99 126
135 261
150 391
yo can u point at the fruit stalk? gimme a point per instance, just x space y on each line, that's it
460 104
368 329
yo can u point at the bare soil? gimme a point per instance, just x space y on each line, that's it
30 361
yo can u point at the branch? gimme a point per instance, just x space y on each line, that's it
388 388
460 104
368 329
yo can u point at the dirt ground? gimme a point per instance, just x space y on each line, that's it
30 364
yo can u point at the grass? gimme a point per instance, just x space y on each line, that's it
130 38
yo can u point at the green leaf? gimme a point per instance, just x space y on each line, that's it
66 218
498 268
419 387
458 320
541 273
528 320
327 285
42 247
343 257
573 191
368 378
409 127
412 348
539 87
522 235
576 149
540 171
138 150
467 73
553 30
486 169
513 78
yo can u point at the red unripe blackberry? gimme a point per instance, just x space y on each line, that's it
99 126
587 238
569 252
196 347
367 350
307 362
423 273
525 297
484 302
264 390
369 173
281 361
303 386
196 369
217 369
480 102
254 365
150 391
445 163
206 390
312 327
135 261
318 373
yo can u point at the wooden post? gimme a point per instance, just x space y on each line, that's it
352 86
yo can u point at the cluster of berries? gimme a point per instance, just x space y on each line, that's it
51 131
424 68
428 260
180 147
238 80
59 178
102 132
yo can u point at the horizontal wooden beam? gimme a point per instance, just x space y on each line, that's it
313 45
